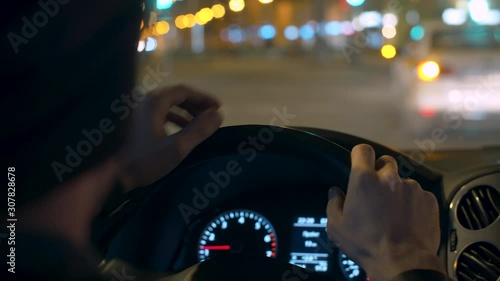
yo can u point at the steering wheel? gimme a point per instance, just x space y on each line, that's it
266 157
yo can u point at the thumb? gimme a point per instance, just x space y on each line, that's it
335 207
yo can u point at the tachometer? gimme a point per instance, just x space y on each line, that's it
238 231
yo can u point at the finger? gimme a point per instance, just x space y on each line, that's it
166 98
196 131
386 163
411 183
177 119
387 168
363 157
197 102
335 207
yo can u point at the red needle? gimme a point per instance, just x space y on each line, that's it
216 247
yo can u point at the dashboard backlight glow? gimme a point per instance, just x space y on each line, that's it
428 71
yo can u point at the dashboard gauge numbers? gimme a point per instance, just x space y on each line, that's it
238 231
350 269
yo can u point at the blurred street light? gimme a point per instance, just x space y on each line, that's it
389 31
218 11
163 4
388 51
206 14
189 20
162 27
141 45
265 1
291 32
199 19
179 22
454 16
151 44
390 19
355 3
478 10
236 5
267 32
417 33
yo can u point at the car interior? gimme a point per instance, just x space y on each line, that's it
282 187
249 202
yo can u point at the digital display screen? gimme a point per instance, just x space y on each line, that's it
309 248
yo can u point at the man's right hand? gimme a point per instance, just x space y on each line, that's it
386 224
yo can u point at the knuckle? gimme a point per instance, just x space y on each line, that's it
411 183
388 158
429 198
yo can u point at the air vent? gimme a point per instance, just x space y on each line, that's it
480 261
479 207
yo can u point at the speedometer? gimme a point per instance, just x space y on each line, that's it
238 231
350 269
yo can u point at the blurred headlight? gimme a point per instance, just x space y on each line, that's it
428 70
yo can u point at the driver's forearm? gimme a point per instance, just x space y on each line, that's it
422 274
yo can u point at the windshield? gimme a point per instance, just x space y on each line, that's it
335 65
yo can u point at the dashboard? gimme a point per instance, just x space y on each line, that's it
288 226
274 207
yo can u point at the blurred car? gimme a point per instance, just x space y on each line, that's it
450 79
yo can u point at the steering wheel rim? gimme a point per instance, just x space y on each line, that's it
224 143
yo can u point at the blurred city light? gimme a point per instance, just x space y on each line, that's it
307 32
224 34
374 40
162 27
428 70
218 11
347 28
355 3
179 22
267 32
417 33
388 51
333 28
141 45
412 17
163 4
454 16
206 14
478 10
291 32
189 20
390 19
235 34
151 44
199 19
492 18
236 5
356 24
265 1
370 19
389 31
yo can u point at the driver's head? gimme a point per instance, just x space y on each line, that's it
65 65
